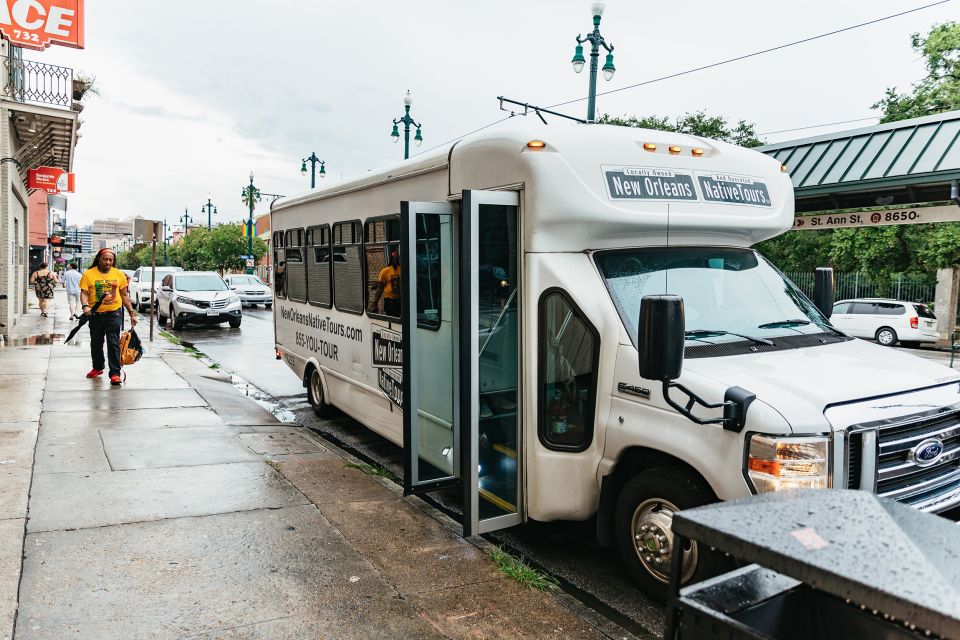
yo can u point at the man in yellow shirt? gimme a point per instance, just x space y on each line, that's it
388 286
103 281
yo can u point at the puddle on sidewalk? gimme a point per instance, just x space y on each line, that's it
37 340
262 398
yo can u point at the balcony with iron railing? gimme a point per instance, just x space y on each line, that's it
30 82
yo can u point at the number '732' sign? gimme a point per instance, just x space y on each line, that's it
36 24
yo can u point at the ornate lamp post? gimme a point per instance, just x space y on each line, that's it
596 41
313 160
251 196
407 121
210 210
185 219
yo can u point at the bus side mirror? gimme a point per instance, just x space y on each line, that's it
823 290
661 338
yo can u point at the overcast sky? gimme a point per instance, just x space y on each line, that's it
196 93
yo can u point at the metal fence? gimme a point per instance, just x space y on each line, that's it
860 285
37 82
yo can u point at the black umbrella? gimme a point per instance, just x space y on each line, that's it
83 320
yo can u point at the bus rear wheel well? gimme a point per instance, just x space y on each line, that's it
632 461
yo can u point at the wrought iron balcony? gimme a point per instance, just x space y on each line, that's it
38 83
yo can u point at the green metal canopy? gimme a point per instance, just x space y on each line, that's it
906 161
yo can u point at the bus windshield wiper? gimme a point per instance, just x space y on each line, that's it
705 333
779 324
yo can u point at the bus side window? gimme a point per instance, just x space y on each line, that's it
295 269
279 266
382 253
318 266
569 353
347 267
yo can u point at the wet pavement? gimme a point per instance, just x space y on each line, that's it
178 507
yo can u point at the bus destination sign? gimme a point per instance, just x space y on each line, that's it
647 183
733 189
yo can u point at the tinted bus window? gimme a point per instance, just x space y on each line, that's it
348 294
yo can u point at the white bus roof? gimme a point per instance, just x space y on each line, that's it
598 186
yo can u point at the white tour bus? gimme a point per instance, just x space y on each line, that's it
503 353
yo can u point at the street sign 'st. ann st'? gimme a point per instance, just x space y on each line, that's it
36 24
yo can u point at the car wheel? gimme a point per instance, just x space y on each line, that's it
886 336
177 322
268 306
234 324
642 522
315 395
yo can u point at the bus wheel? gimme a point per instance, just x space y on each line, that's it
315 395
643 516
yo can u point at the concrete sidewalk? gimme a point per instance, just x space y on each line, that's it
175 507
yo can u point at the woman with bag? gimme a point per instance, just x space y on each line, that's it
43 281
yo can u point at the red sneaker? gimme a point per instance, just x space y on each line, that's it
115 380
94 373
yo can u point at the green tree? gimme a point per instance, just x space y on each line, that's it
698 124
227 244
939 91
194 251
130 259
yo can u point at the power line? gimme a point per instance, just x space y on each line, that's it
756 53
817 126
717 64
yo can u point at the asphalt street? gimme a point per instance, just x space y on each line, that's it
569 551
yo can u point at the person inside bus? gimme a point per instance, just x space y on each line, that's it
280 279
388 286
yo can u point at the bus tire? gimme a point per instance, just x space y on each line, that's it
315 394
642 519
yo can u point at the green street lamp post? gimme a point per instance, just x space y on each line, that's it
164 241
407 121
211 209
313 160
596 41
185 219
251 196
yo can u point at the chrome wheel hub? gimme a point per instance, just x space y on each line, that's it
653 540
316 389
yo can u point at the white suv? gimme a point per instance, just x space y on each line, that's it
139 285
199 297
886 321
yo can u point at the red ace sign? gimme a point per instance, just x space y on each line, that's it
50 179
36 24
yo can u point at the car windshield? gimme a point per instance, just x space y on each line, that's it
210 282
245 280
728 293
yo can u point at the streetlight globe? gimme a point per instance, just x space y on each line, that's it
303 168
418 139
395 134
251 176
608 68
596 8
578 59
323 170
408 99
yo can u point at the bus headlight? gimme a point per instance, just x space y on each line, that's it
778 463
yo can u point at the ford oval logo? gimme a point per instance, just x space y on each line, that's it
926 453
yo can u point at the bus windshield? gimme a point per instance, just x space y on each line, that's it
729 294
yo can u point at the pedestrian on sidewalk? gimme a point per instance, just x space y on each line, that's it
103 281
71 280
43 281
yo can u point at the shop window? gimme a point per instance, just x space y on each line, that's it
295 266
318 266
348 294
381 249
568 362
279 265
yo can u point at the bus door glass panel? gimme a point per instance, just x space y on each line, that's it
492 473
279 266
430 374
